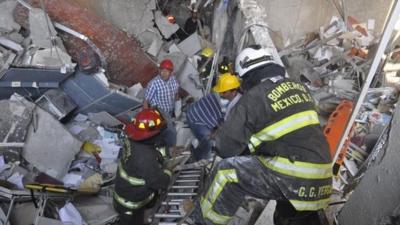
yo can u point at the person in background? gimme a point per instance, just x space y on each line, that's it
205 115
140 174
193 23
162 93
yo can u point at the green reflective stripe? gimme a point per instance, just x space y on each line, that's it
298 169
169 173
129 204
283 127
163 151
221 179
216 218
310 205
132 180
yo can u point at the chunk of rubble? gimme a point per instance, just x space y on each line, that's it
49 146
15 119
7 23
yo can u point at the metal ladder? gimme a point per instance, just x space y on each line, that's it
187 185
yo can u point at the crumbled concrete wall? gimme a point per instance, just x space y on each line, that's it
132 16
295 18
378 194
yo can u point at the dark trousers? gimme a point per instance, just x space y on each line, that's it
137 218
202 133
129 217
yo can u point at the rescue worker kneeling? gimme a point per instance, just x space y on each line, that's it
140 174
273 147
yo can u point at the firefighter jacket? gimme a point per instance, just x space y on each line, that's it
276 120
140 175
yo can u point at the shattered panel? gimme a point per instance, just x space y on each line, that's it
92 96
49 146
127 64
30 82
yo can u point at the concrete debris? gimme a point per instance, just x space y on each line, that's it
52 58
191 45
11 45
7 23
42 31
96 210
6 59
333 61
45 150
167 28
15 119
127 64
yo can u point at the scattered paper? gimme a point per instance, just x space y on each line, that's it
371 24
16 179
72 180
76 129
80 118
70 215
109 150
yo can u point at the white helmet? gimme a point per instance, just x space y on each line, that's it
251 58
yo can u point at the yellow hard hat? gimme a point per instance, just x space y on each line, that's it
207 52
226 82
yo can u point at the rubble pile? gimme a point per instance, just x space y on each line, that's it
334 63
68 82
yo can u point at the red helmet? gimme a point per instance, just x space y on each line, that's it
146 124
167 64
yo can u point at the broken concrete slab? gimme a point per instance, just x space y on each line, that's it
96 210
11 45
51 58
378 191
7 23
15 118
151 41
191 45
42 31
23 214
166 28
6 59
189 80
49 146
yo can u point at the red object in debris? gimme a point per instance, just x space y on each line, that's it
358 52
351 21
171 19
127 63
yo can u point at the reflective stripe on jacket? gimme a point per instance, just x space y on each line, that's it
129 204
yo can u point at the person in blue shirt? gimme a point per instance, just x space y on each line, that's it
206 114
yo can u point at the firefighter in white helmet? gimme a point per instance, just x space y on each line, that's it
273 148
